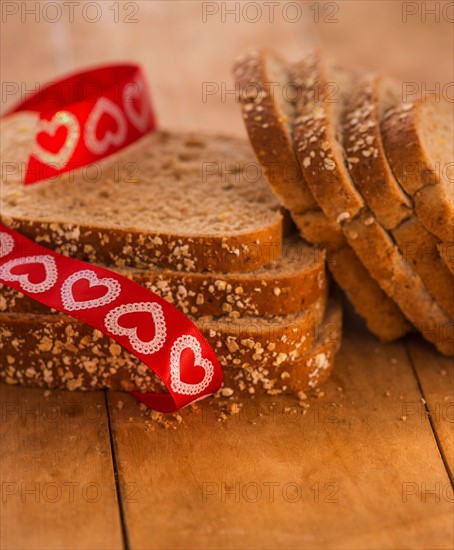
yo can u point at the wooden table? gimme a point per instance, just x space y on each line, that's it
366 463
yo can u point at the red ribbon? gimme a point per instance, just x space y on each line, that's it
86 117
174 349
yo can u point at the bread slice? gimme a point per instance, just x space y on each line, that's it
372 97
276 355
318 136
185 201
422 252
262 79
419 142
291 283
266 99
381 314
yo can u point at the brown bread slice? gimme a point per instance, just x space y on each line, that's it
318 138
280 355
422 252
381 314
183 201
372 97
291 283
418 139
267 113
265 94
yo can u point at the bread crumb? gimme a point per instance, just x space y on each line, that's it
342 216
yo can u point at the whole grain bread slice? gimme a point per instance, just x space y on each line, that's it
266 96
288 285
277 356
419 142
372 97
422 252
318 135
184 201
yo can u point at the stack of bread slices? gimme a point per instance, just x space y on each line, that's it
366 178
371 183
189 217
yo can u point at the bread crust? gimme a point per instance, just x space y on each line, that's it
395 275
298 284
366 156
416 171
51 351
316 141
382 316
269 128
336 193
420 249
118 248
383 194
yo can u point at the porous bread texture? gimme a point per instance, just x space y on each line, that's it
186 201
59 352
265 85
372 97
289 284
17 136
318 136
421 162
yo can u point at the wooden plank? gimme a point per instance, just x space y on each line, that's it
436 376
57 478
350 473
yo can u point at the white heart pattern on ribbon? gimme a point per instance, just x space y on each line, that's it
6 244
117 138
112 286
60 159
177 385
157 314
138 119
46 261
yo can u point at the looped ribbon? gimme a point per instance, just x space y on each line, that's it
85 117
102 111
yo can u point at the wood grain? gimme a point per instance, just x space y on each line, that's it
436 376
57 480
371 469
